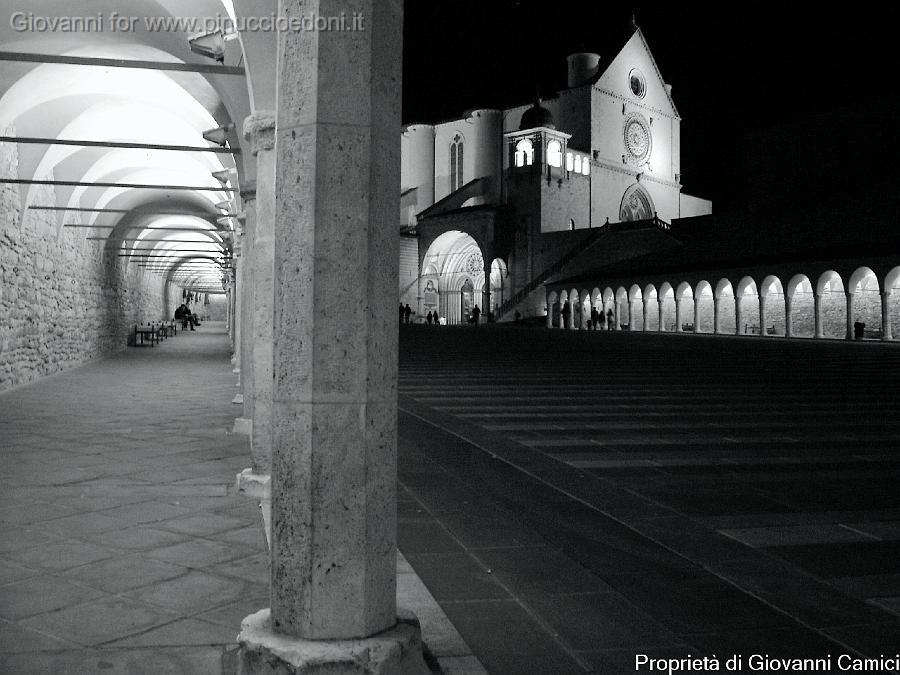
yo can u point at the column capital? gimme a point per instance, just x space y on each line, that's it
248 191
259 129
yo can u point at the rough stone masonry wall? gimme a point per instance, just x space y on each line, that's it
63 301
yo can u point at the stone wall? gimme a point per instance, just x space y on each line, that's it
63 299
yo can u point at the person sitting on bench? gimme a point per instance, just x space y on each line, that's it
183 314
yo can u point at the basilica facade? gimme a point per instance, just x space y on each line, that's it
496 202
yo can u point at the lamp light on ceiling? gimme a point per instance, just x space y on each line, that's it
210 45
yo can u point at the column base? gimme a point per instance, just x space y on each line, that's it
238 398
242 425
396 651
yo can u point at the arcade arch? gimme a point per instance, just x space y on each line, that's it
453 277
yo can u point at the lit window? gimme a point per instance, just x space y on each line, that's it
586 167
577 163
570 161
554 153
456 163
524 153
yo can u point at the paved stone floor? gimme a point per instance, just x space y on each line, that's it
122 547
569 499
572 499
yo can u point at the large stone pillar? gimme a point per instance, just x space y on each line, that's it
886 315
738 319
549 311
661 306
817 312
334 461
259 129
849 334
696 314
236 290
486 295
246 316
762 314
716 300
646 314
678 315
788 319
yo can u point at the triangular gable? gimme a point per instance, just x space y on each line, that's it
636 54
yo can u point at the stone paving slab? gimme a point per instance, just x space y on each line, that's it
123 545
740 494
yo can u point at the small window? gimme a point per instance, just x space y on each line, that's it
554 153
637 83
577 163
456 163
586 167
570 161
524 153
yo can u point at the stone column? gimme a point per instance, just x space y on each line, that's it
549 311
245 424
630 316
259 129
660 306
617 313
334 451
646 313
696 314
849 334
886 315
486 295
678 315
817 315
788 319
716 300
762 314
738 319
238 291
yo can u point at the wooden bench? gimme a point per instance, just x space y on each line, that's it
166 329
754 330
146 331
872 334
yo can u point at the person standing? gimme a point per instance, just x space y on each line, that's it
407 312
476 314
566 313
610 320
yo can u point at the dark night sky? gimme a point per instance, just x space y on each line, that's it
734 66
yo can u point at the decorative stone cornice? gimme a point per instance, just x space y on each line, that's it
259 129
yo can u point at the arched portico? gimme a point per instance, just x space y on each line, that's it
667 311
863 301
621 309
831 317
800 307
684 308
552 309
453 277
746 307
724 320
772 312
651 308
636 315
704 307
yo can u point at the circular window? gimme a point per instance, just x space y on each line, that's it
637 83
637 138
475 263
